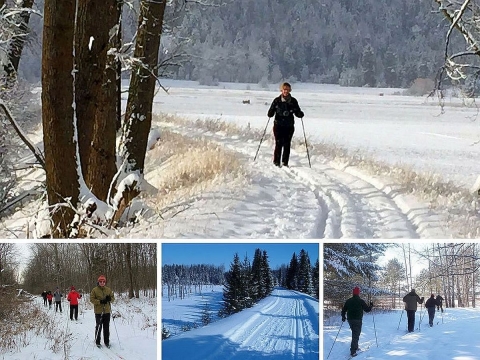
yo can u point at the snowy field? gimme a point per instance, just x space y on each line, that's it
283 326
393 128
133 333
453 336
178 313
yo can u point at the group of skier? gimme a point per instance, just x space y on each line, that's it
101 296
355 306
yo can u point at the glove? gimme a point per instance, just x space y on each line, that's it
344 318
108 298
371 303
103 301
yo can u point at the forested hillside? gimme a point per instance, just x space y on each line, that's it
347 42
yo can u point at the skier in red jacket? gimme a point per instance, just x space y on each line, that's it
49 298
73 297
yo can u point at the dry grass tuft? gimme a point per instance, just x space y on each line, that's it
190 167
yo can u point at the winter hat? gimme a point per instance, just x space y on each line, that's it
72 288
102 277
356 290
432 295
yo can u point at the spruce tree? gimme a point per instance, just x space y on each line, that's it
292 273
316 279
233 289
256 278
267 281
304 273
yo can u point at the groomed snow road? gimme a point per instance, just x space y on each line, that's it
283 326
328 200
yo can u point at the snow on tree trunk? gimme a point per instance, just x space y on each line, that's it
138 114
96 129
58 114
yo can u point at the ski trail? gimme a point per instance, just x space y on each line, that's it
280 326
333 201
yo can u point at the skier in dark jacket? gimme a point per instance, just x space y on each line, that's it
430 304
44 296
411 300
284 107
354 308
439 303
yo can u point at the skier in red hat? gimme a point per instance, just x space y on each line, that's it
353 309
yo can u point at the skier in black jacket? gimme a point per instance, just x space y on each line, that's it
430 305
284 107
354 308
439 303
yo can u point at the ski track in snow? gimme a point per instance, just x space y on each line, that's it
283 326
328 200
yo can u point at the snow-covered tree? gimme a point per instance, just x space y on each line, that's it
304 273
350 264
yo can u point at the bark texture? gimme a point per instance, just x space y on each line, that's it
57 112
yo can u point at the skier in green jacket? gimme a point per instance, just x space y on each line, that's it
101 297
353 309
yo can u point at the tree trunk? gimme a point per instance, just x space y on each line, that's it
57 112
129 269
138 114
16 46
96 131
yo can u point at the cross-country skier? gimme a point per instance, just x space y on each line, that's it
284 107
440 303
411 300
430 304
101 297
58 299
44 296
49 298
73 297
354 308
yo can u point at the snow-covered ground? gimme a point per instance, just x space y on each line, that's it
453 336
285 325
328 200
133 333
187 312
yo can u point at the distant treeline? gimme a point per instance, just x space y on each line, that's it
347 42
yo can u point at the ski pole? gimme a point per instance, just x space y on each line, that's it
261 140
306 146
113 317
398 327
335 339
374 329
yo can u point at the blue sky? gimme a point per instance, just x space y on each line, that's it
222 253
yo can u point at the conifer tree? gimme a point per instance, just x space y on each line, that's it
233 289
316 279
292 272
304 273
267 280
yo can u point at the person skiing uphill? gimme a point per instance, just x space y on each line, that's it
430 304
73 297
284 107
101 297
411 300
353 309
